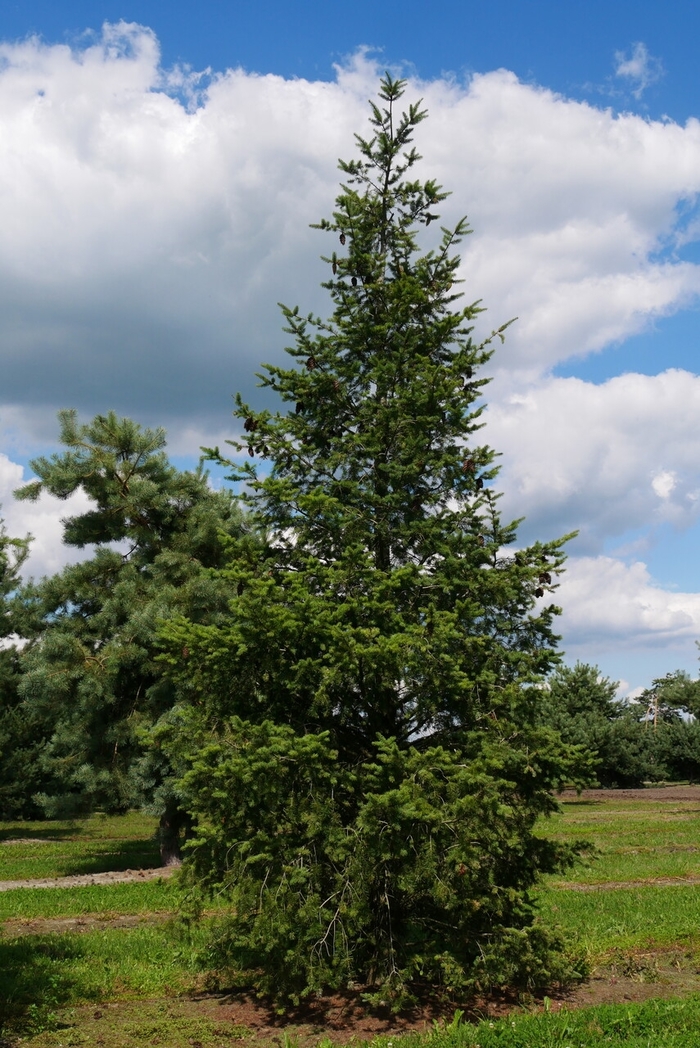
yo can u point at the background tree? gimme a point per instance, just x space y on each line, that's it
20 741
672 694
667 713
365 765
631 747
90 670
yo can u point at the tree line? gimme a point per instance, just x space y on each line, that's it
339 686
654 737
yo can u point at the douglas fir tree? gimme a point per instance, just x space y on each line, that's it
363 758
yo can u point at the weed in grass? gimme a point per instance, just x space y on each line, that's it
643 968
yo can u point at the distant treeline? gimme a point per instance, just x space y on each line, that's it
653 738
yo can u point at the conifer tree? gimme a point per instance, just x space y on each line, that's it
20 743
90 672
363 758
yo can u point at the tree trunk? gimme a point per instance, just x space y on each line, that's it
172 822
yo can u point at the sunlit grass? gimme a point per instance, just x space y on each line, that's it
644 918
97 844
635 840
104 899
654 1024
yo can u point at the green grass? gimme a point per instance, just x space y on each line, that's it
83 846
645 918
636 840
51 971
164 1023
654 1024
132 898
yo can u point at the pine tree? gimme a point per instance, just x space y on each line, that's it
365 765
647 739
20 743
91 674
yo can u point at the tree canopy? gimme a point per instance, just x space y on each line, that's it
359 735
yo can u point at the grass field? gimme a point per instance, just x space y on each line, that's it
61 849
615 906
94 899
637 840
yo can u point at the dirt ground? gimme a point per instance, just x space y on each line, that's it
82 879
650 793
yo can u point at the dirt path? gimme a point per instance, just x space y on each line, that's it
650 793
80 880
612 886
17 926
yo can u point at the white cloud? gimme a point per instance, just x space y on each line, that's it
145 240
608 605
148 226
664 483
605 459
639 68
41 520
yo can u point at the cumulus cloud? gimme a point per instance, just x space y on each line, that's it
150 219
609 605
145 237
603 459
41 520
638 68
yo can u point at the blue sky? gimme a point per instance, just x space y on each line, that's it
567 45
149 217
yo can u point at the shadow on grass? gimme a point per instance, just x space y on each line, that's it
34 981
141 854
34 832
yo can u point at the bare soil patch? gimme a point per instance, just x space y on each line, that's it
648 793
79 880
17 926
